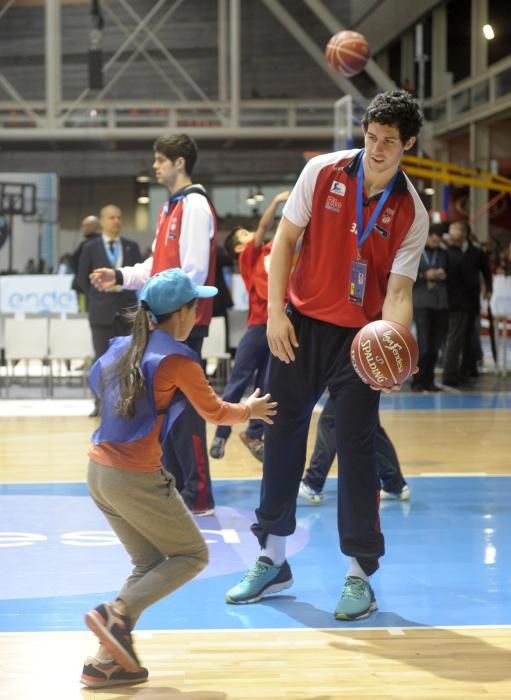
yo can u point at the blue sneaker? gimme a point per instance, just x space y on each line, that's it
357 600
264 578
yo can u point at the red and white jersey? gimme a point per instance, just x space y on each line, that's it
186 238
323 202
197 228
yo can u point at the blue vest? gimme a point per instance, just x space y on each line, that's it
116 428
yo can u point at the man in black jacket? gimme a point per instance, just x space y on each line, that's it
90 230
106 309
466 263
430 309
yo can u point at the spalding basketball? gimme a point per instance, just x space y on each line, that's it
384 353
347 52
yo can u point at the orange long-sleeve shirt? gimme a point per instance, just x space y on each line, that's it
175 372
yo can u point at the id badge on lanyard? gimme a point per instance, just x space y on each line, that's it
358 276
358 280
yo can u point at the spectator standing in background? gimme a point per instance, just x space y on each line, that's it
466 263
430 310
107 308
89 229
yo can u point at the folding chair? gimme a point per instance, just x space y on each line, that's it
218 360
25 339
69 339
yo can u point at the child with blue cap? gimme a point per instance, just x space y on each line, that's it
144 381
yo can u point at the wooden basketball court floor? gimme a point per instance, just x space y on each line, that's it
443 629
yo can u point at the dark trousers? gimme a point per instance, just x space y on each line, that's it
456 336
251 359
431 327
102 334
185 453
322 361
325 449
472 349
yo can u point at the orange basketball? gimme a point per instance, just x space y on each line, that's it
384 353
347 52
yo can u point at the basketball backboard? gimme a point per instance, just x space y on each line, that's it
347 123
17 198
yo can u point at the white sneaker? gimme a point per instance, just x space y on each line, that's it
309 494
403 495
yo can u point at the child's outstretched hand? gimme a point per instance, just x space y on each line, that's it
263 407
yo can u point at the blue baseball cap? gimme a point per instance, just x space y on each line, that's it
169 290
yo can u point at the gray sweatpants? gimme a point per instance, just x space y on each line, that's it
150 519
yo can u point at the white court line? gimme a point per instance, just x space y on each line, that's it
307 630
441 475
392 631
18 408
258 478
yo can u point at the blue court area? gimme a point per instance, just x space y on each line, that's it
448 560
445 401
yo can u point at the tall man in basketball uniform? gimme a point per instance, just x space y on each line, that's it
364 228
185 237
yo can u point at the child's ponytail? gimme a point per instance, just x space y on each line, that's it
131 378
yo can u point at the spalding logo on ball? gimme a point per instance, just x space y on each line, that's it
384 353
347 52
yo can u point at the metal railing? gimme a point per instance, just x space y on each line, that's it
471 100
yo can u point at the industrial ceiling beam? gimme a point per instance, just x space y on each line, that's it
311 48
331 22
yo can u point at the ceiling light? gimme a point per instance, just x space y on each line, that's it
259 196
143 199
143 177
488 32
429 190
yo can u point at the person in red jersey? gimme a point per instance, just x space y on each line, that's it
364 229
252 353
186 237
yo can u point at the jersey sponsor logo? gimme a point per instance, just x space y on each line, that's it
333 204
387 215
382 231
172 227
338 188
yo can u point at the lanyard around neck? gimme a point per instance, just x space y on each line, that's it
363 233
430 260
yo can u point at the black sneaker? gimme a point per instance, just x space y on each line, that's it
114 631
255 446
104 675
217 448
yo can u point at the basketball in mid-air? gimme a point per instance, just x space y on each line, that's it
384 353
347 52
